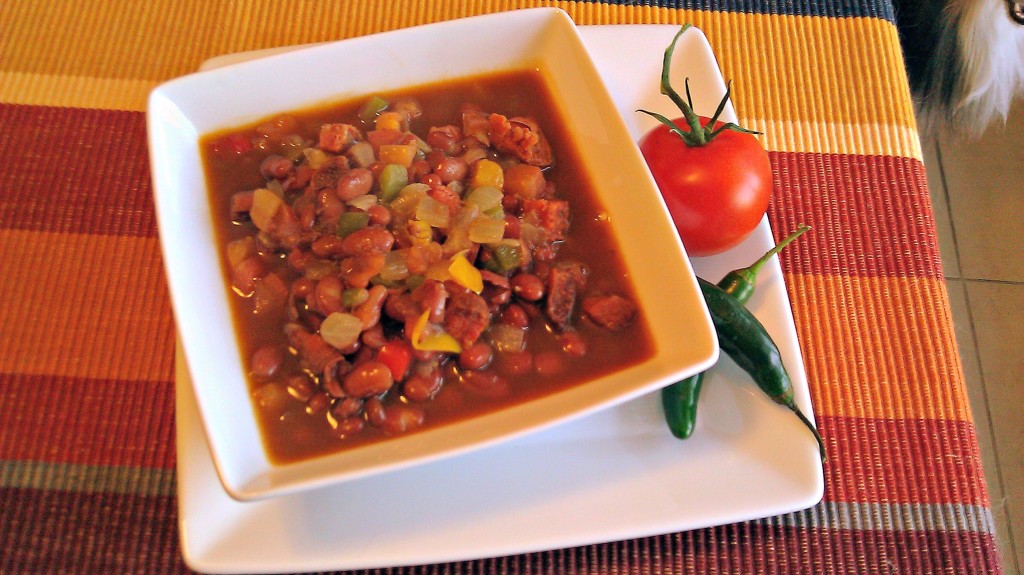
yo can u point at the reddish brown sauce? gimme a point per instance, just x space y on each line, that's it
552 267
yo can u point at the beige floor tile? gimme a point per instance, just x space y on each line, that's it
997 311
984 182
940 206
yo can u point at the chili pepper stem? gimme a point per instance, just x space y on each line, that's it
739 283
810 426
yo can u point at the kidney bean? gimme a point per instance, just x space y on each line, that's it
245 275
266 361
515 316
476 356
275 167
346 407
302 288
549 363
418 169
451 169
349 426
331 206
300 386
318 404
431 180
326 246
527 286
371 240
445 138
420 387
367 379
374 337
328 295
400 418
369 311
354 183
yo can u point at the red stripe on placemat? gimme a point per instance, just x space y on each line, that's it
65 532
75 170
902 461
62 419
857 204
871 215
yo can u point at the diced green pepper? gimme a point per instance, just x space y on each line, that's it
504 258
352 221
392 179
374 106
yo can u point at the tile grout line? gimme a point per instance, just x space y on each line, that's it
1010 544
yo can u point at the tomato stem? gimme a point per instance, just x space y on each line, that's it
696 134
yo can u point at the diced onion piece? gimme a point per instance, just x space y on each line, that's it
396 266
484 197
507 338
419 232
464 274
433 212
439 271
350 222
486 230
361 154
352 297
375 105
315 157
240 250
341 330
265 205
440 341
363 202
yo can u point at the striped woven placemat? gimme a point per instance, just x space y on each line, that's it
87 479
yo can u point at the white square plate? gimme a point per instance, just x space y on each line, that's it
183 110
613 475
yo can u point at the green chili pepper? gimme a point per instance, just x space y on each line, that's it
680 398
743 338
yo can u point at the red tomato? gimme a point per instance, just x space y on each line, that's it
397 356
717 192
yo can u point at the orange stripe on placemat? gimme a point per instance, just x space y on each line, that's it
871 215
84 306
833 70
75 171
58 419
879 348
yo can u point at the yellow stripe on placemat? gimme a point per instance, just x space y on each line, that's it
796 68
94 306
836 138
75 91
872 349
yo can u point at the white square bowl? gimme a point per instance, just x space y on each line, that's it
182 111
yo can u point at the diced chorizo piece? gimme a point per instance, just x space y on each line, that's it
401 307
241 205
431 296
466 317
612 312
378 138
269 295
550 215
564 284
521 137
314 353
336 137
327 176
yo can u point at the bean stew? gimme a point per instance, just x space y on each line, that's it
414 258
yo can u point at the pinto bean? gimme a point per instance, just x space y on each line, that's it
400 418
421 387
374 410
549 363
476 356
371 240
367 379
276 167
300 386
354 183
318 404
369 311
346 407
266 361
486 384
379 215
572 344
328 295
527 286
326 246
451 169
349 426
515 316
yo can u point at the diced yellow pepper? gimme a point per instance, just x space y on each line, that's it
401 154
390 121
433 342
465 274
487 173
420 232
